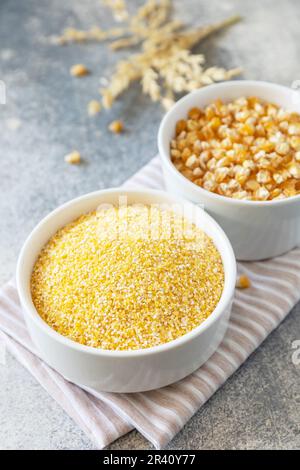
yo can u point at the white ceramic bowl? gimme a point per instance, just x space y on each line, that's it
256 229
123 371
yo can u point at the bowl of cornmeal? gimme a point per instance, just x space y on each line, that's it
126 291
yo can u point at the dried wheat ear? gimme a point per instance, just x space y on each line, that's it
163 61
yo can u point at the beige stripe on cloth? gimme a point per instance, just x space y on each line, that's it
160 414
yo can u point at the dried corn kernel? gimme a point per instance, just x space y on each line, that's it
175 153
294 170
106 282
240 195
247 129
79 70
73 158
295 142
94 107
116 126
221 174
215 123
263 176
282 148
289 188
194 113
252 185
261 194
294 129
243 282
186 154
181 126
192 161
242 175
249 149
197 172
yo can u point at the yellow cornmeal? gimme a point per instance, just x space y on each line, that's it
103 281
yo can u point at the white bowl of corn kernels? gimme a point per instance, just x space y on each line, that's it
234 147
116 304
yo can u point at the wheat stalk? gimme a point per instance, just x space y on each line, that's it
164 64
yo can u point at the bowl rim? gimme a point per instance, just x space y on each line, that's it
23 285
165 156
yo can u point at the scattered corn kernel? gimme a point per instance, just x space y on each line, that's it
243 282
94 107
106 282
116 126
73 158
79 70
249 148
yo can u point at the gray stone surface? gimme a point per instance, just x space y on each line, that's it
259 406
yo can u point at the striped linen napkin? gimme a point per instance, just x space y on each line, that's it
160 414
